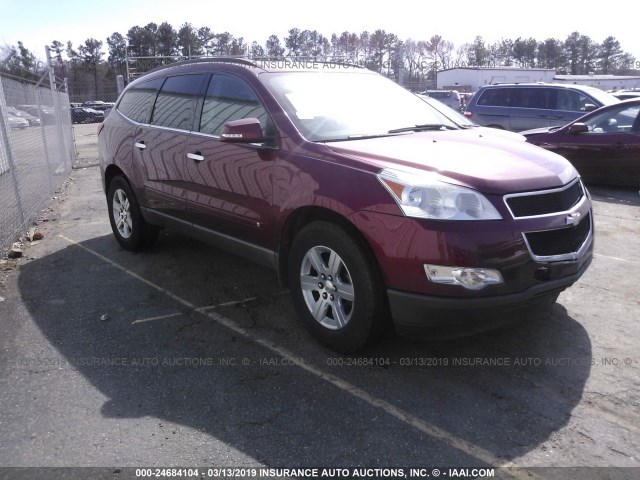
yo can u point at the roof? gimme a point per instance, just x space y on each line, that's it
500 68
596 77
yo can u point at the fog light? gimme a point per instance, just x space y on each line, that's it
471 278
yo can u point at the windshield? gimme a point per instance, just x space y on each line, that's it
603 97
448 112
330 106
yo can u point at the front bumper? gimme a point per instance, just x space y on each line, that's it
416 314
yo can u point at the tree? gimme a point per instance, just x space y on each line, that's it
572 52
151 37
166 40
274 49
188 42
205 35
551 54
314 44
27 59
589 51
439 50
91 55
524 52
238 46
256 50
117 58
478 53
294 42
221 44
74 59
609 55
18 61
345 47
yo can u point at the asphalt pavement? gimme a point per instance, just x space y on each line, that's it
188 356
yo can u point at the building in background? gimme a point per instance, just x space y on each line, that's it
470 79
603 82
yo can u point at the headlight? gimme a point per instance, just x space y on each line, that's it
424 197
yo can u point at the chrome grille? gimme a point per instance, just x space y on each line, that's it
546 202
559 242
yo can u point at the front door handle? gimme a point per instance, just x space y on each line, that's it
197 156
140 145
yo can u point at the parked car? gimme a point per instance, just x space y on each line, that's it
626 94
31 119
603 145
525 106
86 115
368 211
464 123
98 105
450 98
17 122
45 113
464 99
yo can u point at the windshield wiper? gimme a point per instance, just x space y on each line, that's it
423 127
358 136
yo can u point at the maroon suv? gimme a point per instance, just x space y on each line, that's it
368 203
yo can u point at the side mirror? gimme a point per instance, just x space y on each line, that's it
590 107
576 128
245 130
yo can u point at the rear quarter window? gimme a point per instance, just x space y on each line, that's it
176 103
137 101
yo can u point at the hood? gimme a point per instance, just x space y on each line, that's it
538 131
487 163
497 132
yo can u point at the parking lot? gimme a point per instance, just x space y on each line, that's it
189 356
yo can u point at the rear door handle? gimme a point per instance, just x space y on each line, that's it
140 145
197 156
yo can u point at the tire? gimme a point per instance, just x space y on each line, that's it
129 228
335 288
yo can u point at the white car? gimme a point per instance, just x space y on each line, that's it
17 122
451 98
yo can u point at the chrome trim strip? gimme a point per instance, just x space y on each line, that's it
236 246
571 256
545 192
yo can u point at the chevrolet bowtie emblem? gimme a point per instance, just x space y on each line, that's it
573 218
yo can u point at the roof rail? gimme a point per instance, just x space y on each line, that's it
238 60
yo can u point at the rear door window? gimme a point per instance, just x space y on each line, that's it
539 98
176 103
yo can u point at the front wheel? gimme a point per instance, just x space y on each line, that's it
129 228
335 287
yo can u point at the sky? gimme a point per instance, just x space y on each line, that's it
37 23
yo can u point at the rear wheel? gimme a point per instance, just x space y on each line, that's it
335 287
129 228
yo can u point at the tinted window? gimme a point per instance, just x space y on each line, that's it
137 101
229 98
572 101
176 102
532 98
495 97
620 120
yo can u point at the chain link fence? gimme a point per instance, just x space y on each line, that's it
36 152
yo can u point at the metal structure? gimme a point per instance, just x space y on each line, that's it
34 159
